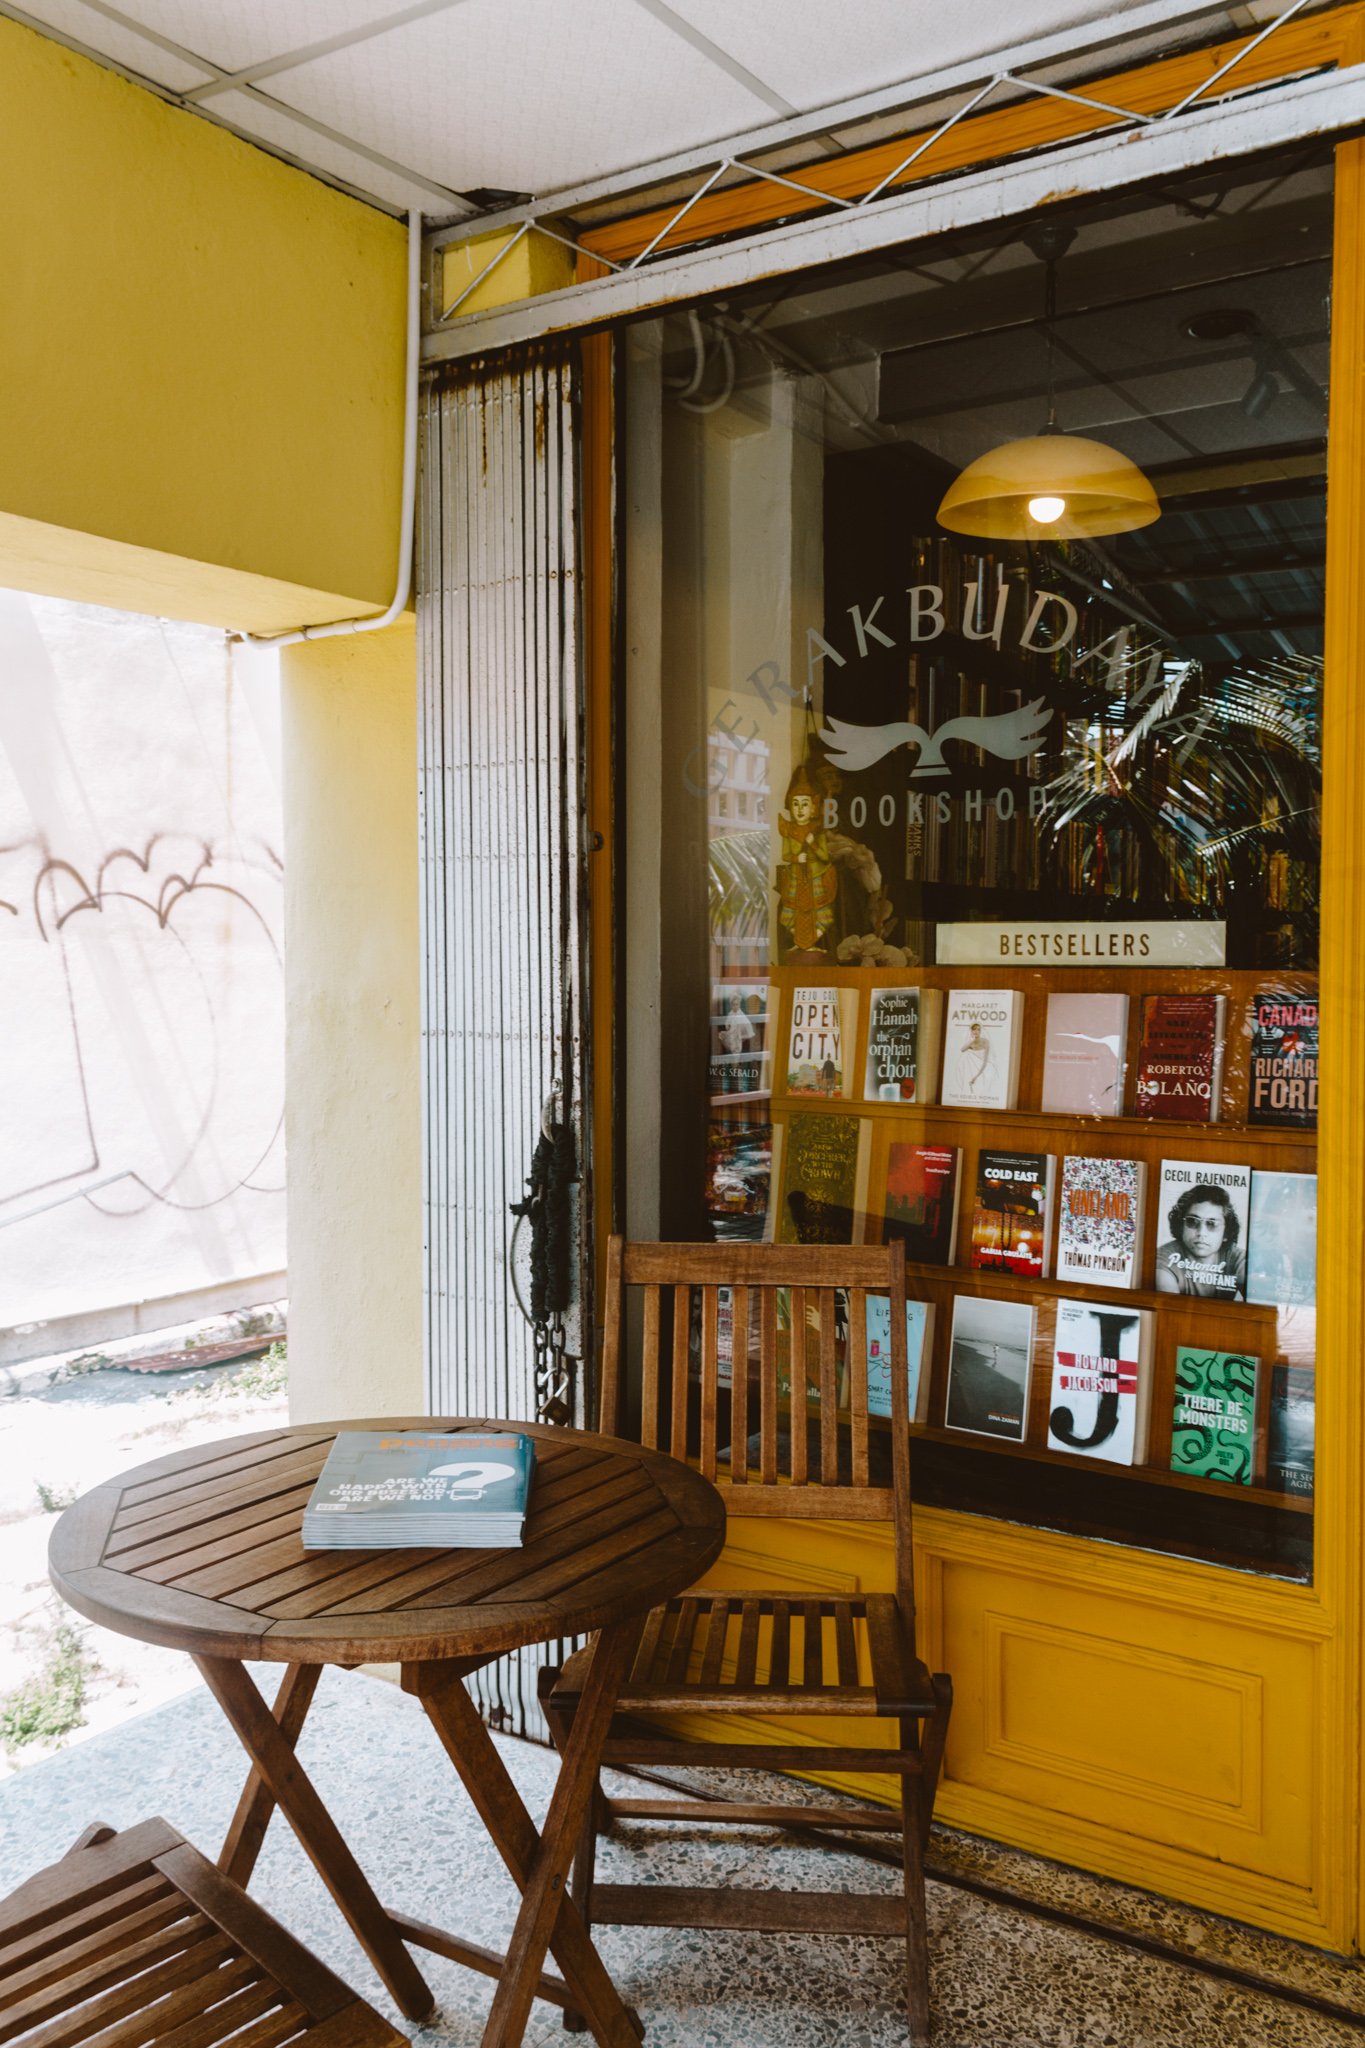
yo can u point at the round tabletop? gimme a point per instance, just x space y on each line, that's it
201 1551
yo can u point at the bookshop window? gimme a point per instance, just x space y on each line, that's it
972 877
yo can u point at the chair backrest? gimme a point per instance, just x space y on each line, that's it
776 1453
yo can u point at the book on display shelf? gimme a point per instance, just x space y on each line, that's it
1101 1381
820 1171
740 1061
1084 1055
919 1339
1202 1229
989 1367
1180 1058
1012 1216
1213 1422
921 1200
820 1041
1099 1229
398 1489
983 1034
739 1159
1282 1255
1284 1060
904 1032
1291 1430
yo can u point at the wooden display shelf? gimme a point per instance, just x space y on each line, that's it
1091 1133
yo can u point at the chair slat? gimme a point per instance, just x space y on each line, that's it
747 1666
739 1385
797 1411
710 1378
814 1645
649 1643
767 1387
779 1663
681 1648
649 1372
857 1381
845 1644
682 1316
717 1625
829 1391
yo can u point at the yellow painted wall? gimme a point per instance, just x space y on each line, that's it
352 1077
201 361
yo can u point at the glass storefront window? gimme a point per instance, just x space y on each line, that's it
972 882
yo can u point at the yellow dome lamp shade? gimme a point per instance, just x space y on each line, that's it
1050 486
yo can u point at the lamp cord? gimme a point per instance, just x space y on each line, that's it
1050 325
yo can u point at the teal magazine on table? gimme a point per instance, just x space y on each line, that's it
391 1489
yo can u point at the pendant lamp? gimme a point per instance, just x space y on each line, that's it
1049 486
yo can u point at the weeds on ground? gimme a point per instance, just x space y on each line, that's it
264 1377
51 1703
254 1322
52 1499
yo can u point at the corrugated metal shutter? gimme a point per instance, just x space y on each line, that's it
500 720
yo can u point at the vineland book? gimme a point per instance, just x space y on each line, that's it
989 1366
399 1489
1202 1229
1100 1228
1083 1059
904 1029
1282 1257
983 1035
1284 1060
1180 1058
1098 1402
919 1338
824 1025
1213 1424
1012 1219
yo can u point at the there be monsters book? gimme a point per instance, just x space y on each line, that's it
1213 1424
922 1183
395 1488
1284 1060
822 1179
904 1031
824 1027
1291 1428
982 1038
1100 1393
738 1179
1282 1257
1012 1216
989 1366
1180 1058
1099 1229
1084 1056
740 1062
919 1339
1201 1230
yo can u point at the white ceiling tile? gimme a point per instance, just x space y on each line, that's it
235 33
108 39
279 132
524 94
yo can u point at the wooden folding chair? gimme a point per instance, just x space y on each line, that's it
781 1439
134 1940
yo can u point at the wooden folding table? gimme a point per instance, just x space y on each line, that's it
201 1552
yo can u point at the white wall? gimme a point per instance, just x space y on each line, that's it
141 970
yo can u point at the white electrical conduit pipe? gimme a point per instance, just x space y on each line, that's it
375 622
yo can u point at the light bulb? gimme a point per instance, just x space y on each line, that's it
1046 510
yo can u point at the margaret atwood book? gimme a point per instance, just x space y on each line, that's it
1083 1060
1201 1229
1213 1422
1284 1060
821 1176
395 1489
824 1026
1180 1058
989 1365
1012 1214
1101 1381
1099 1229
922 1183
982 1037
904 1031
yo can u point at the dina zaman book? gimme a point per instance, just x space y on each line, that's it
396 1489
1213 1424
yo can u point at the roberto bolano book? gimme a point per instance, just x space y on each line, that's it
1100 1391
398 1489
1101 1220
1213 1426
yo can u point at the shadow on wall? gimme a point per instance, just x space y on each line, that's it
141 987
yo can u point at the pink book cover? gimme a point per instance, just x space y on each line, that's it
1083 1062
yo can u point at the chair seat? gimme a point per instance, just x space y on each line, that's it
136 1938
769 1653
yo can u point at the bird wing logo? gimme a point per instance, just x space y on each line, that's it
1009 735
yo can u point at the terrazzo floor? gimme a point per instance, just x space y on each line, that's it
1001 1978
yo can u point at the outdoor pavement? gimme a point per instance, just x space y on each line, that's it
1001 1978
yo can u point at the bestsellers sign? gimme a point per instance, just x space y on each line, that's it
1115 943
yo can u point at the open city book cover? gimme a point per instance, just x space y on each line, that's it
390 1489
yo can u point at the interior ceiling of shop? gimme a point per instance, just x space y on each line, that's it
441 103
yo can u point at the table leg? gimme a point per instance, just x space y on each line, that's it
293 1791
539 1862
246 1834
